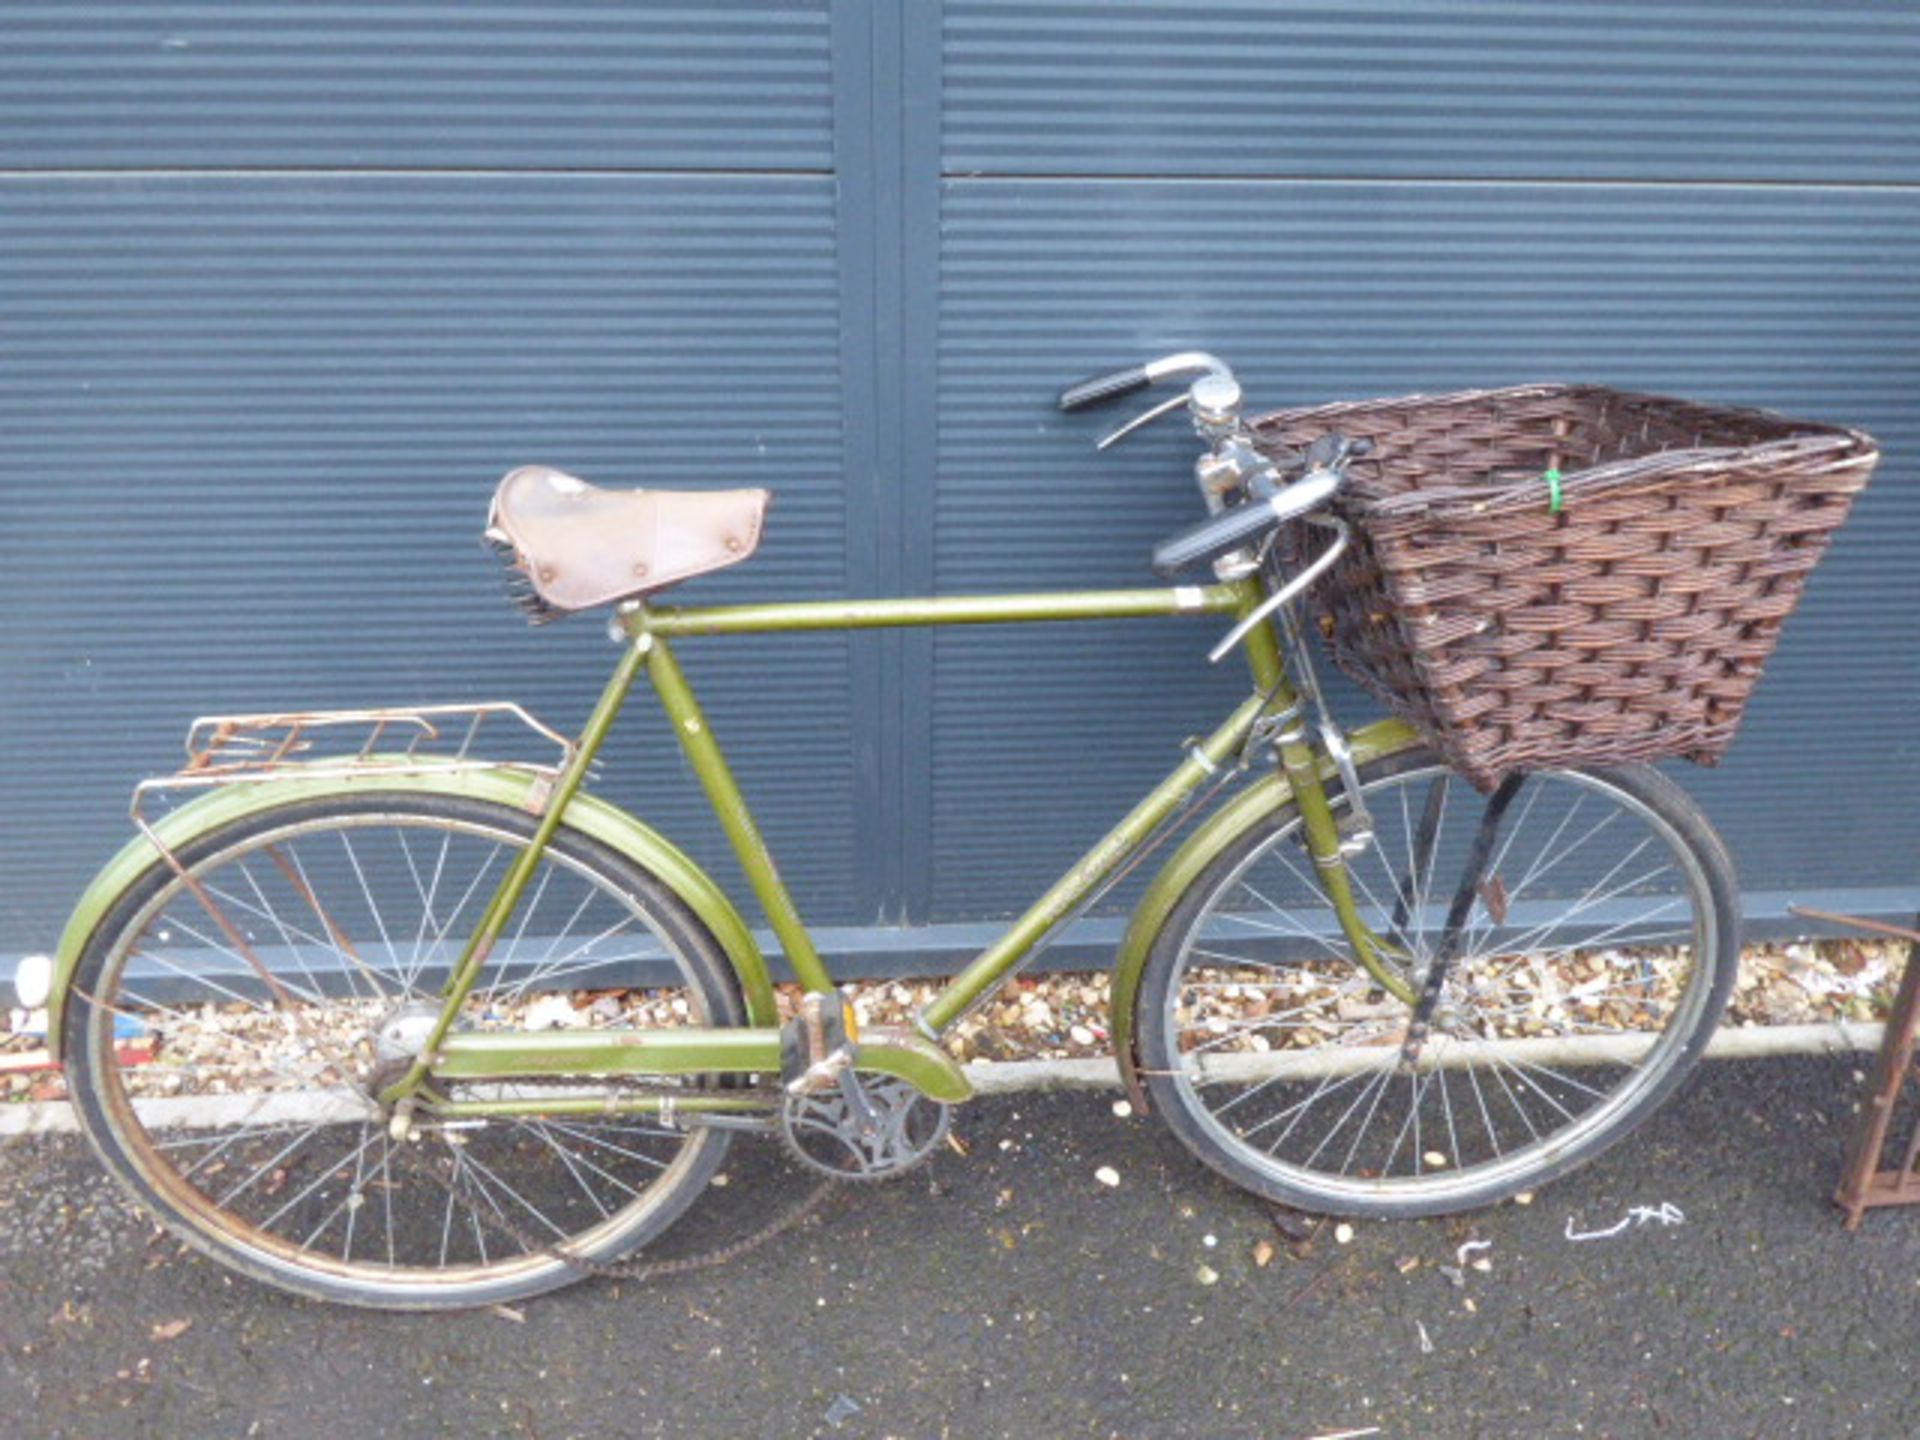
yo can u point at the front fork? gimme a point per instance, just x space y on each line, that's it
1300 762
1330 849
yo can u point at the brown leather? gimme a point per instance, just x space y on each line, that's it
582 546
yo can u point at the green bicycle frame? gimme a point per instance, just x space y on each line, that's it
467 1055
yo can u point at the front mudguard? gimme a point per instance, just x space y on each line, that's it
503 785
1205 845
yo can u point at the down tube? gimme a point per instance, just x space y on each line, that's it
999 959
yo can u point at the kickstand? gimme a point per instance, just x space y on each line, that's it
1449 947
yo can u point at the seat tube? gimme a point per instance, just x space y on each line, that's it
723 793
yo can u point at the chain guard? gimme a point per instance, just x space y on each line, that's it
824 1130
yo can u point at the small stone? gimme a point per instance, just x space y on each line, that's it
1081 1035
1107 1176
1209 1241
552 1012
1343 1233
1406 1264
1435 1160
1206 1275
1263 1254
1468 1305
1123 1109
1525 1197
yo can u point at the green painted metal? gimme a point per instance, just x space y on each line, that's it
500 908
756 1049
1247 809
1069 890
693 1103
685 1050
921 1063
591 816
680 1050
944 610
1301 763
723 793
1262 646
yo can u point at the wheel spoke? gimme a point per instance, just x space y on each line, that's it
1596 935
279 1151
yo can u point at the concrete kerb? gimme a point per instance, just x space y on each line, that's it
987 1077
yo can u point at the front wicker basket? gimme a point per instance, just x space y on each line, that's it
1560 575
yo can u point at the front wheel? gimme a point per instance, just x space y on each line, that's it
1600 949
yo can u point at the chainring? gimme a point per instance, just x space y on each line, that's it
826 1132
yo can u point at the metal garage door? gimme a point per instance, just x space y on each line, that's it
284 288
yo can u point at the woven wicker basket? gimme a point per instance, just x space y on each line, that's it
1629 620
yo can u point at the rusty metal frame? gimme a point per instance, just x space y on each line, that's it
1867 1181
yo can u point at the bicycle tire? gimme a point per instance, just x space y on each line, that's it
1301 1063
123 1124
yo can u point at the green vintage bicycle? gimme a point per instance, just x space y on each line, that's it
377 1012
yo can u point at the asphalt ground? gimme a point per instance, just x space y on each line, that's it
1011 1293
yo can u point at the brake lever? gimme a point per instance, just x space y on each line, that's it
1144 418
1298 585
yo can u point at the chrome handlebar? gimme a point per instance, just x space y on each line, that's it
1230 464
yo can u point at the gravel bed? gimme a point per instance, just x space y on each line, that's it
1043 1017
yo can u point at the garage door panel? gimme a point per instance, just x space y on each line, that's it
1794 299
1714 89
428 84
250 458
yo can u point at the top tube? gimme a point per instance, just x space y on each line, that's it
943 610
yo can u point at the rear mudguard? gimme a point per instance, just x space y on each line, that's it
595 818
1246 810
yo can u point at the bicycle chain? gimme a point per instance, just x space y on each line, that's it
638 1269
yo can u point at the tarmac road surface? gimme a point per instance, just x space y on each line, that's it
1010 1293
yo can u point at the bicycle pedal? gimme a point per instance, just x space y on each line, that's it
817 1044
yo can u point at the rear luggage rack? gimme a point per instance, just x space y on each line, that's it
346 744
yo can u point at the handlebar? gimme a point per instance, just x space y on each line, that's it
1234 465
1113 384
1099 388
1231 529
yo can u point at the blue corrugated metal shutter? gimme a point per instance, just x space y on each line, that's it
284 288
1715 199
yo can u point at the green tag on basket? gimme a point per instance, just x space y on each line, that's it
1552 477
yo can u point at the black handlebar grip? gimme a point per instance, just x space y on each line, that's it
1105 387
1215 535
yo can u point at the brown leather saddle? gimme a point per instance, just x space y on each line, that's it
580 546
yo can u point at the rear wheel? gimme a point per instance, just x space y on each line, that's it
226 1035
1596 959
